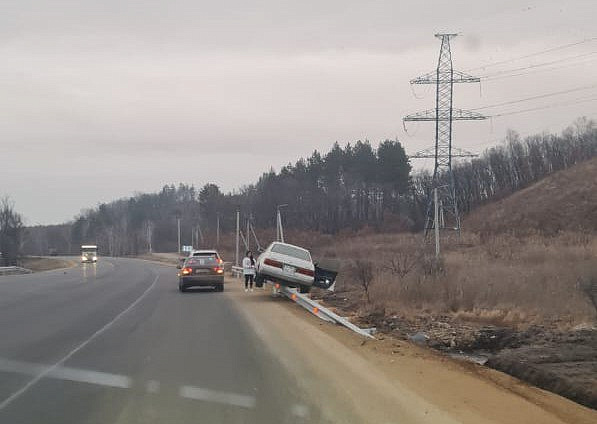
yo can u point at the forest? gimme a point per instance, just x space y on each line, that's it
347 188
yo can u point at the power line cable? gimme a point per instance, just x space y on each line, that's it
555 68
538 65
578 101
552 49
541 96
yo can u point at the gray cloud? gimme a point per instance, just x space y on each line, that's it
102 99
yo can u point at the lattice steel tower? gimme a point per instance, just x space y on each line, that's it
444 78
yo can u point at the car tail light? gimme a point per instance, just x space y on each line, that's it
305 271
187 271
272 262
220 261
219 270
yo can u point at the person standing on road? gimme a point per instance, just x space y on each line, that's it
249 270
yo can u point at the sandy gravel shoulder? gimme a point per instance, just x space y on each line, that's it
388 380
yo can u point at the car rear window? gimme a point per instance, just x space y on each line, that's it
295 252
202 254
201 260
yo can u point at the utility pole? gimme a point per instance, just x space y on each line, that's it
218 230
178 225
236 258
444 77
279 226
255 236
436 223
248 232
149 235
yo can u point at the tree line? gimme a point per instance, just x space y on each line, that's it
11 233
348 187
517 163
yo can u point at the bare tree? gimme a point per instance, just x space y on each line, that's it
363 273
11 232
404 262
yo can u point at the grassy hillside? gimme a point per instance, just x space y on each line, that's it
564 201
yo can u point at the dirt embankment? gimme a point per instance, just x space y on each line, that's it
389 380
563 201
166 258
564 362
37 263
526 306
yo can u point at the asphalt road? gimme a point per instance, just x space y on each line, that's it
117 343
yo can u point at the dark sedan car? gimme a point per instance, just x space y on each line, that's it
202 271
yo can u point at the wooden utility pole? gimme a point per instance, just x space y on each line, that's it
178 225
436 222
236 257
218 230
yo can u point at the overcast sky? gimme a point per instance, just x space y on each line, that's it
101 99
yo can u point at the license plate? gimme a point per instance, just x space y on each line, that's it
201 271
289 269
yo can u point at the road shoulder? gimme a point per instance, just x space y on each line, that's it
389 379
42 263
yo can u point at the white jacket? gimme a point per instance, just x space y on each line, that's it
248 269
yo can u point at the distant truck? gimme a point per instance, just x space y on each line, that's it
89 253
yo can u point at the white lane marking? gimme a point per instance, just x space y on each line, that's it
198 393
92 377
66 357
301 411
152 386
125 382
67 373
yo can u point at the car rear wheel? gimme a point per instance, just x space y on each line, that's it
259 280
182 288
304 289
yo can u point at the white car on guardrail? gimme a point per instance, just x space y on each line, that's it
286 264
293 266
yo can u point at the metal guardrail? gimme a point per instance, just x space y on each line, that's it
321 311
236 271
14 270
312 306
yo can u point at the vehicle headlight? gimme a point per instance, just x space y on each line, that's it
83 258
95 258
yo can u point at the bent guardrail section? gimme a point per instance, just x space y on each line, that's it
312 306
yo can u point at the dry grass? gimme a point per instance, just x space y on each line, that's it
37 264
500 280
563 201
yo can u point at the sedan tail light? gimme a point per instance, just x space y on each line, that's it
305 271
219 270
186 271
272 262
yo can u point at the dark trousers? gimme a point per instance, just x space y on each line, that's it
248 280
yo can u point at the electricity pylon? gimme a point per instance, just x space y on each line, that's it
444 77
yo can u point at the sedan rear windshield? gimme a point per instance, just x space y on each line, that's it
295 252
202 254
201 260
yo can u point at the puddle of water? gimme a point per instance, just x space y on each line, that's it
469 357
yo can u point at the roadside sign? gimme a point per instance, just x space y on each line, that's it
187 248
